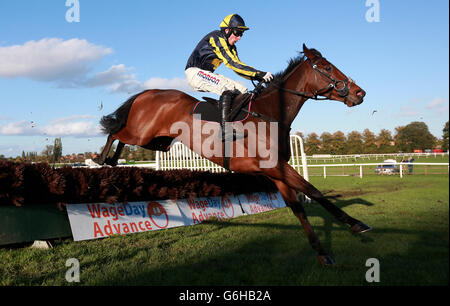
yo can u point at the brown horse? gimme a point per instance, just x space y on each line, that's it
153 118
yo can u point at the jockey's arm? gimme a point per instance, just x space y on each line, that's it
230 58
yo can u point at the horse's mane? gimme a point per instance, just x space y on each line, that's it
294 62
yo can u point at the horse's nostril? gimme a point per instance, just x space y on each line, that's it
361 93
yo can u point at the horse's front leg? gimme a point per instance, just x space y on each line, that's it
291 200
288 175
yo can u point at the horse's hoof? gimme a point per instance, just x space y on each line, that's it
110 162
360 228
325 260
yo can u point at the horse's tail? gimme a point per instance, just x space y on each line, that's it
116 121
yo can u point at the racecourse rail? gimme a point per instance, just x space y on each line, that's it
181 157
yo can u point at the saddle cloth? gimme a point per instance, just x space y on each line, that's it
209 110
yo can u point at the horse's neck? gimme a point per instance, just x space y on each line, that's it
288 105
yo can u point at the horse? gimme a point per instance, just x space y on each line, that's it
147 119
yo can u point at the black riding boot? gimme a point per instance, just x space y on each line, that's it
225 106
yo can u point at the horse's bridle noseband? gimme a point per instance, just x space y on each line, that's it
342 87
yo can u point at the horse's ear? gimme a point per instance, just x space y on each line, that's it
307 52
305 48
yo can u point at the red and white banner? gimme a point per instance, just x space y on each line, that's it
198 210
258 202
91 221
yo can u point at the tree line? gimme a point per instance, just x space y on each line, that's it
414 136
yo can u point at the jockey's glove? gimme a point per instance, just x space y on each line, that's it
268 77
264 76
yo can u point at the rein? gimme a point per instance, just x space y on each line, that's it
342 90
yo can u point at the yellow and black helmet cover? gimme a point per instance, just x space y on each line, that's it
233 21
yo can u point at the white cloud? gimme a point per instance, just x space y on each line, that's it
435 103
127 83
50 59
77 125
161 83
18 128
439 105
77 128
68 63
115 74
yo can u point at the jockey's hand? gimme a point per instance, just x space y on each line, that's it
268 77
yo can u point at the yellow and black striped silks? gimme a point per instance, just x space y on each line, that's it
214 50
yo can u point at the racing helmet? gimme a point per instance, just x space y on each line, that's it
233 21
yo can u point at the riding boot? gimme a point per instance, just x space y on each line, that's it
241 100
225 106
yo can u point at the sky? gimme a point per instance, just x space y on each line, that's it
60 75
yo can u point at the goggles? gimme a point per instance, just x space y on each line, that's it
237 32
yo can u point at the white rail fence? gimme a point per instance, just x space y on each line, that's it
181 157
401 167
382 156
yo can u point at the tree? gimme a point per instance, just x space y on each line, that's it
47 153
312 144
414 136
384 142
57 150
369 141
354 143
445 138
338 145
327 148
127 153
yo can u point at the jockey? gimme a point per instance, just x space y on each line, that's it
219 47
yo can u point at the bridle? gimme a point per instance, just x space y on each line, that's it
342 87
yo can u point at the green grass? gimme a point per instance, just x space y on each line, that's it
410 217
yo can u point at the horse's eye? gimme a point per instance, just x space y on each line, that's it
328 68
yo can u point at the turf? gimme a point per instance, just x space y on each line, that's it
409 216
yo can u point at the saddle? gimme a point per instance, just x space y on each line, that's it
209 109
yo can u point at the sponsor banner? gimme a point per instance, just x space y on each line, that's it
258 202
198 210
277 199
91 221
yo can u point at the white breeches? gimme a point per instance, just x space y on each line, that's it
203 80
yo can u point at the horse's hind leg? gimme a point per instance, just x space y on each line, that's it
113 160
101 160
291 200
